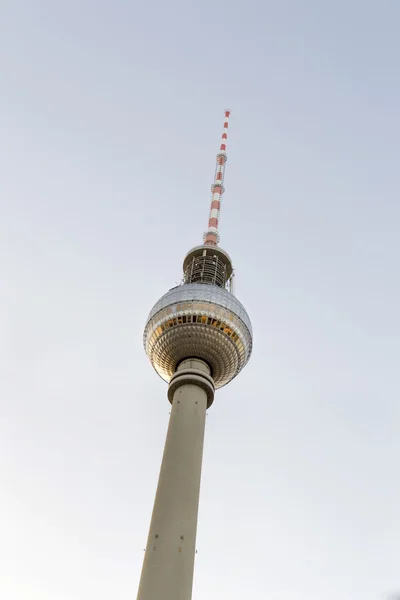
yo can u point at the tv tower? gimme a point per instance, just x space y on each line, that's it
198 337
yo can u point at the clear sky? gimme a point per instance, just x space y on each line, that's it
111 115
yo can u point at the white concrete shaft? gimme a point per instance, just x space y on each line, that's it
167 572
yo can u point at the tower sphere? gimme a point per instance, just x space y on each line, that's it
200 320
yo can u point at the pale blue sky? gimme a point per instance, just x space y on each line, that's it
111 114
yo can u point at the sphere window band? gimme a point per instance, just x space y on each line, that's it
197 308
199 319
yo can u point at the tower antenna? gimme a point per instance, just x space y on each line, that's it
211 236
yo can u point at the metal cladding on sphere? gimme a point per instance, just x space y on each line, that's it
200 320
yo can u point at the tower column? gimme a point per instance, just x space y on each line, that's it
167 572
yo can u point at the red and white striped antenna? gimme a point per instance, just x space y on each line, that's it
211 236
